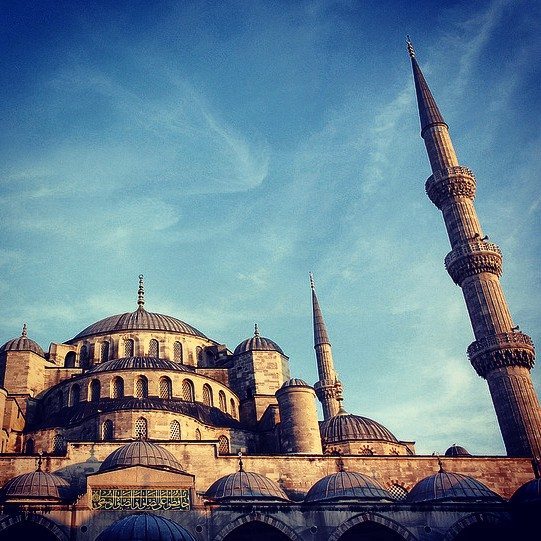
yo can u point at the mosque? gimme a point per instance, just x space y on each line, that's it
142 427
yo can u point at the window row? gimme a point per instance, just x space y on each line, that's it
140 431
165 388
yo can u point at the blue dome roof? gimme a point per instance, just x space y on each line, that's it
444 486
457 450
144 527
138 363
295 382
347 486
22 343
528 493
141 453
37 484
349 427
245 485
257 343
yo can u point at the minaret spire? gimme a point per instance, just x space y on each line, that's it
328 388
500 354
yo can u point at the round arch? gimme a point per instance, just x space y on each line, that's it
492 524
373 518
258 517
36 520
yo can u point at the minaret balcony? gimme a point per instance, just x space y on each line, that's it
473 258
501 350
449 183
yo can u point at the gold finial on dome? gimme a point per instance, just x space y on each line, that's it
241 465
24 332
256 330
409 45
141 292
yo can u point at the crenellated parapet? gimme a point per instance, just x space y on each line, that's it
501 350
325 390
450 182
473 258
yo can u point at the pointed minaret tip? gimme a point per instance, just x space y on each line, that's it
312 284
141 292
409 45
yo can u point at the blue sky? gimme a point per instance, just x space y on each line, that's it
226 149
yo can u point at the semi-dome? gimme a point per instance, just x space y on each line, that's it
345 485
140 453
35 485
529 493
295 382
348 427
138 363
245 485
257 343
145 527
22 343
140 320
447 486
457 450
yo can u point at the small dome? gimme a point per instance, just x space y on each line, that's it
245 485
349 427
444 486
144 527
137 363
140 453
456 450
529 493
295 382
22 343
257 343
37 484
347 486
140 320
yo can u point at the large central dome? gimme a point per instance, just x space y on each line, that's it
140 320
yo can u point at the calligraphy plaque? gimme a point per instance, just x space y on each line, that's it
113 499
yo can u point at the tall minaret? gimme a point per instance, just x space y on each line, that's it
328 388
500 354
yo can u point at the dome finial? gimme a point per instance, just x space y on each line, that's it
256 330
340 463
312 284
39 461
440 464
409 45
241 466
141 292
24 332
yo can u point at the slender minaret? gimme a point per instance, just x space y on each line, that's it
328 388
500 354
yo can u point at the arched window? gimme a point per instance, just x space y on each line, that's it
75 395
366 451
154 348
233 408
222 401
69 360
107 430
197 434
128 347
95 390
174 429
104 351
141 428
59 444
199 353
166 388
223 445
398 491
117 387
177 352
29 447
83 357
141 387
187 391
207 395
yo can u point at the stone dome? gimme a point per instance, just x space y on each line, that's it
348 427
347 486
457 450
137 363
245 485
144 527
35 485
140 453
140 320
529 493
22 343
447 486
295 382
257 343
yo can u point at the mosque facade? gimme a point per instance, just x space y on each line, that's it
142 427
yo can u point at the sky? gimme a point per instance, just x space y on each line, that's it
226 149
